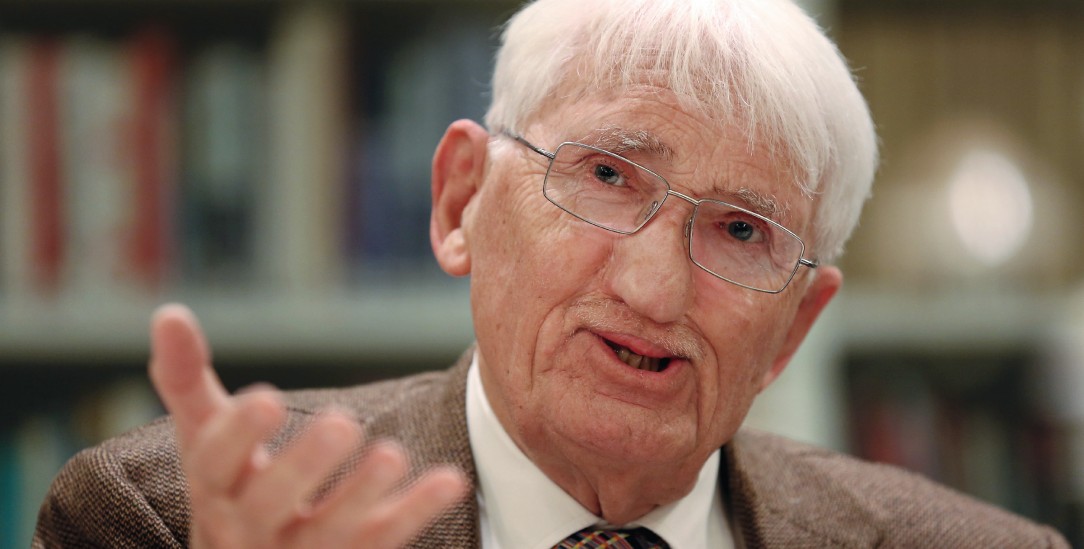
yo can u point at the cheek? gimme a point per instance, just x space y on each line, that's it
531 252
747 333
524 239
528 258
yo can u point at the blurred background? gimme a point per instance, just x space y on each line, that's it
267 162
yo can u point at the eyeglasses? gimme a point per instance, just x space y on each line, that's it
619 195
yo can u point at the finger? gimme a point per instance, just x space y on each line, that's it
397 520
225 451
181 372
282 491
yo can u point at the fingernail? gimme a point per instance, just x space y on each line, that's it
389 458
263 413
258 387
454 487
171 309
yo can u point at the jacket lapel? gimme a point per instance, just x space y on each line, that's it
438 413
773 499
776 498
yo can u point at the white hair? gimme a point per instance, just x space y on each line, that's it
760 63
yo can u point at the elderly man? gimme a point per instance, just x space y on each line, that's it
649 223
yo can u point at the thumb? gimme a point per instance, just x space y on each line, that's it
180 370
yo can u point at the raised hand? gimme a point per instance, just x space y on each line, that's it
241 497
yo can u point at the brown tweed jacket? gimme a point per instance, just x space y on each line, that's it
130 492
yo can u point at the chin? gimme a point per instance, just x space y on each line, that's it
629 442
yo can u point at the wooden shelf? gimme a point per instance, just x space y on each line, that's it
865 318
401 323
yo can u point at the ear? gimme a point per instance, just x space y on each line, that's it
458 171
826 282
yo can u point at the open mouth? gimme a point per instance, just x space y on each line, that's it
640 362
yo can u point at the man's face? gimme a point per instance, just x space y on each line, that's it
555 300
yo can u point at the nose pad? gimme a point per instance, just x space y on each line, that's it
654 207
688 228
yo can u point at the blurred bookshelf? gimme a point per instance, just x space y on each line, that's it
976 387
266 163
273 158
956 351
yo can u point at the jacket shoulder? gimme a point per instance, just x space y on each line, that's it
125 492
129 491
851 502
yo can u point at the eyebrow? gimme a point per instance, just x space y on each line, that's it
760 203
621 141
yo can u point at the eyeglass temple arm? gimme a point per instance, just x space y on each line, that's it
811 263
528 144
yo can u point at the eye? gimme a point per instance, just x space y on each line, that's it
609 175
744 231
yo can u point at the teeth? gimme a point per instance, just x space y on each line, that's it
639 362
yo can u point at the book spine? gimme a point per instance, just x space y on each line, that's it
302 209
93 98
16 276
47 234
152 141
223 149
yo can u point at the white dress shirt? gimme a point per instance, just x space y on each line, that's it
521 508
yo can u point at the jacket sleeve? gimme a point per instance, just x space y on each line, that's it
129 492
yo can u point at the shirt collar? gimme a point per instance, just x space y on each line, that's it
522 507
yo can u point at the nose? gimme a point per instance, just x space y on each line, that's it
650 270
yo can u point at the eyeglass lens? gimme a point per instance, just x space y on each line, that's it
611 192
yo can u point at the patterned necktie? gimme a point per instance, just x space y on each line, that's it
595 538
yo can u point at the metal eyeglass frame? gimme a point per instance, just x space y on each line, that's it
802 261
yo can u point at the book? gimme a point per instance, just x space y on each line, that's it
436 77
94 95
16 273
10 504
42 444
112 409
151 138
224 150
301 208
46 193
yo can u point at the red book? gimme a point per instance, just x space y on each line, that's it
46 201
153 148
